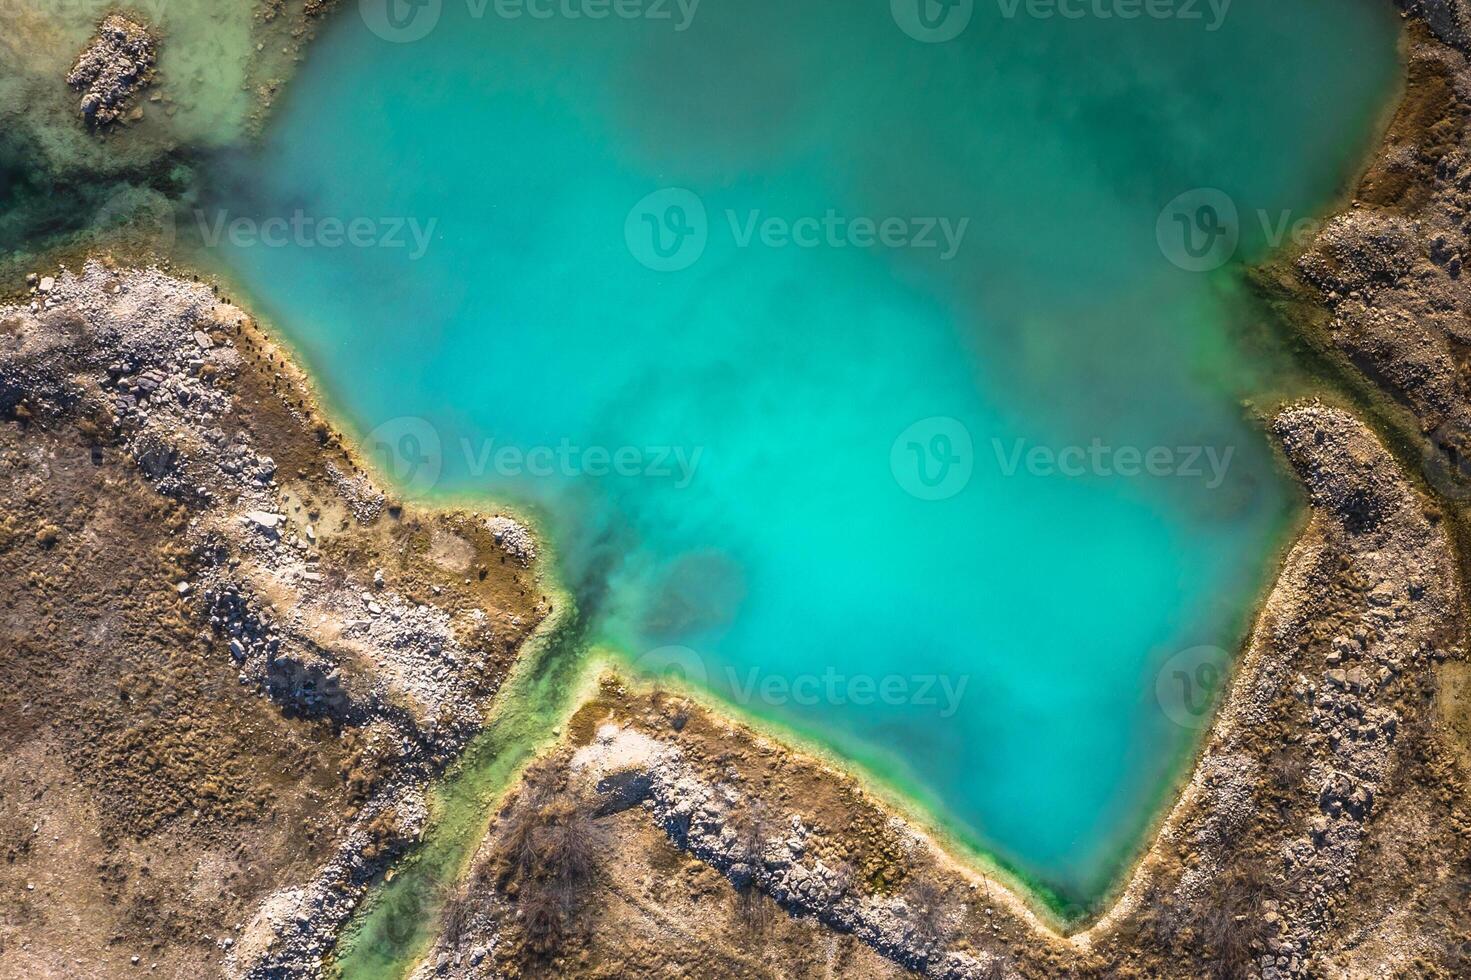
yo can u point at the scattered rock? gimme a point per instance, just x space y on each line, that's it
514 539
114 67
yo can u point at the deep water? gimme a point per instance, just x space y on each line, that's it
865 483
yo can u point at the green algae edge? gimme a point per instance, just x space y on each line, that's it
1292 319
1296 319
1317 370
395 924
556 673
550 679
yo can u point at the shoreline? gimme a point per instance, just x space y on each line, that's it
591 664
1192 805
1037 898
1034 899
1333 387
271 551
353 958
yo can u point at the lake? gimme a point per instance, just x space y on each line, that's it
877 368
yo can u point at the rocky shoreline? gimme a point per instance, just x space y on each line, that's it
1328 754
116 65
1385 278
1325 830
1364 613
152 364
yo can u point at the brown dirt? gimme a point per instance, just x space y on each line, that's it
1429 123
128 731
148 800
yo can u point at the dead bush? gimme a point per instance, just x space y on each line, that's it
930 911
1227 923
548 859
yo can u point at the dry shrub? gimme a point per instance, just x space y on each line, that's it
1227 924
929 909
548 859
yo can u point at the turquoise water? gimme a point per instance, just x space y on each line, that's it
817 477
